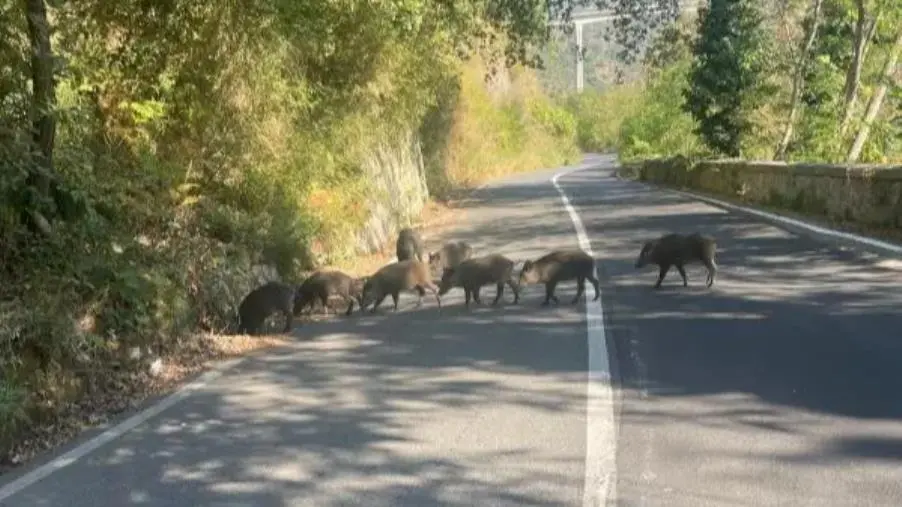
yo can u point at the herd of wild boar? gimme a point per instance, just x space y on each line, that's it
460 268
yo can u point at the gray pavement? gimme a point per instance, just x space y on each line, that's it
423 407
779 386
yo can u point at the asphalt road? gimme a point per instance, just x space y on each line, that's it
779 386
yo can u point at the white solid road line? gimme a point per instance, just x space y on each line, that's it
601 440
115 432
876 243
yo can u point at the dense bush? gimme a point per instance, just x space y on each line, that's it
508 126
660 127
599 115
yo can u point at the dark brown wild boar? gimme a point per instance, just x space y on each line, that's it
679 250
474 273
409 245
324 284
450 255
559 266
262 302
397 277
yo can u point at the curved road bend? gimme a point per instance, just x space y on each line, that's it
777 387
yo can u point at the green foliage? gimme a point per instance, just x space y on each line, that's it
599 115
638 19
741 84
493 132
726 78
643 120
660 127
673 45
555 120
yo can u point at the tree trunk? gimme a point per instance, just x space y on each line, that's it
43 104
864 32
44 99
798 80
876 101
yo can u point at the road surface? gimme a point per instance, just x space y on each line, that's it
779 386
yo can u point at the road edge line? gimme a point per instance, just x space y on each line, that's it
601 442
73 455
781 219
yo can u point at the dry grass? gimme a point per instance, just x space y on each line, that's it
435 218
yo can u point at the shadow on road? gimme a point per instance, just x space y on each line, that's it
333 417
794 331
803 329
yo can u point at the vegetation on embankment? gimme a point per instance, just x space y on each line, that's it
798 81
162 158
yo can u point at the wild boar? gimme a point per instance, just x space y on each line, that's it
678 250
450 255
476 272
396 277
324 284
559 266
409 245
262 302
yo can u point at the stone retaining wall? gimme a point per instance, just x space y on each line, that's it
868 195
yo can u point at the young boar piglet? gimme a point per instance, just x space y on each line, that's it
450 255
409 245
397 277
559 266
474 273
324 284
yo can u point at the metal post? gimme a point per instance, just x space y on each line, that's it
597 17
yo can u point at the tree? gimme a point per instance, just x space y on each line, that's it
726 76
876 101
672 44
636 20
798 79
865 27
43 115
524 23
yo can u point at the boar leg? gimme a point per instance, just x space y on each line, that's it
595 284
580 289
682 274
662 272
515 290
498 293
